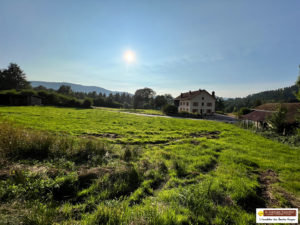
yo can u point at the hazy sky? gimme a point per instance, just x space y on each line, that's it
234 47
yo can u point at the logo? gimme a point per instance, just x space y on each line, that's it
260 213
277 215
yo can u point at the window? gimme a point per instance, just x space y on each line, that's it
194 110
183 103
202 103
208 111
202 98
187 103
209 104
195 103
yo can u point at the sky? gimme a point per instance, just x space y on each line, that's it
232 47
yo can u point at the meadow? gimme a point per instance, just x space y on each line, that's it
99 166
139 111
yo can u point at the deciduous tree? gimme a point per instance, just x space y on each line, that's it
65 90
142 97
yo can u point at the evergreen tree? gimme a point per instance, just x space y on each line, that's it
13 78
278 120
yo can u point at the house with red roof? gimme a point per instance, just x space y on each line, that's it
259 116
200 101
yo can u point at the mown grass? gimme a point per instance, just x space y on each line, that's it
139 111
70 166
145 111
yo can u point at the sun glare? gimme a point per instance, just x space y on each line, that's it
129 56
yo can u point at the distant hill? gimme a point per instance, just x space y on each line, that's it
253 100
74 87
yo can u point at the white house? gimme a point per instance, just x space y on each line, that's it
199 101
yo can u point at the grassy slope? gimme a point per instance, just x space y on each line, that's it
140 111
186 172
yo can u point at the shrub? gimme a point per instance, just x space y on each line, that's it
170 109
184 114
244 111
28 92
220 112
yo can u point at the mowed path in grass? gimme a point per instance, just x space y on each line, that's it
234 163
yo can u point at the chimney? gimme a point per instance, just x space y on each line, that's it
181 95
213 94
190 92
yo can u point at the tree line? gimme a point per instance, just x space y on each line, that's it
13 82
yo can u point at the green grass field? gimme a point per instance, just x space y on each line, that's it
95 166
139 111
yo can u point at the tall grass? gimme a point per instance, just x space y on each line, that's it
18 143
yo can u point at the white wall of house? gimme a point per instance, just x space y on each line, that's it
203 101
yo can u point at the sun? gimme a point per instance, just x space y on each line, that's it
129 56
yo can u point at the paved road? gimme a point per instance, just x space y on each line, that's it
216 117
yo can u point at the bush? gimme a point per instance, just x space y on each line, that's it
87 103
244 111
28 92
185 114
170 109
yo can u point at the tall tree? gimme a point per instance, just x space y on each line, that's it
169 98
142 98
220 106
278 120
297 94
65 90
160 101
13 78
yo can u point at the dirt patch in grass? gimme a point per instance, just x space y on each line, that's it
207 134
266 179
293 202
194 142
102 135
146 142
14 169
8 171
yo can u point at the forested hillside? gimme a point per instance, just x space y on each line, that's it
74 87
279 95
